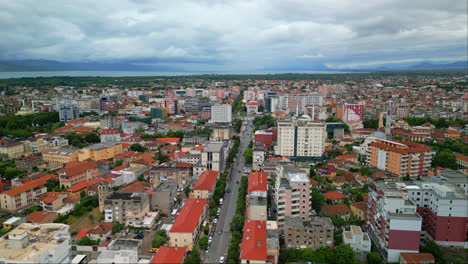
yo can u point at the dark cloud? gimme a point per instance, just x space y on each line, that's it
235 35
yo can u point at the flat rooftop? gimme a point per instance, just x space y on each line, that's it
41 238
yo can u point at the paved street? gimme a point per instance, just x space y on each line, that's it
220 244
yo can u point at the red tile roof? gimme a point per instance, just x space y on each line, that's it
82 233
334 209
169 255
360 205
253 245
335 195
169 140
136 186
41 217
109 131
75 167
30 185
349 156
82 185
119 168
101 228
461 157
189 215
417 258
257 181
206 181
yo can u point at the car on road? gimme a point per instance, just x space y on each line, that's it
221 259
213 228
215 220
228 190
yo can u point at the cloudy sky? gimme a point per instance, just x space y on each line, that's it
233 35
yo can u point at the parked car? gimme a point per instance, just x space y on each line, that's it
221 259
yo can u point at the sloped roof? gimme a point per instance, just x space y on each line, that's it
206 181
253 245
257 181
188 218
169 255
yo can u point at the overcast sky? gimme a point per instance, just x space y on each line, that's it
235 35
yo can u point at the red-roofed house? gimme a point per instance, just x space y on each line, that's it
205 185
348 157
75 190
253 247
186 228
101 231
76 172
335 196
327 171
110 135
169 255
172 141
416 258
462 161
41 217
335 209
24 195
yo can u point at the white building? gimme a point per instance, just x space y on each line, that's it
221 113
358 240
258 156
118 256
110 135
212 156
29 243
301 137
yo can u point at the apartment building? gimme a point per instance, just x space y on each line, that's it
167 254
23 196
186 228
163 197
190 158
315 234
109 135
205 185
212 156
353 112
292 193
126 208
254 242
30 243
76 172
393 223
400 158
257 196
172 172
456 177
301 137
12 149
358 240
296 103
258 155
100 151
221 113
444 211
60 155
222 132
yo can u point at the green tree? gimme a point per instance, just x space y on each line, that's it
359 198
203 242
11 173
206 229
312 172
187 190
118 162
117 227
237 222
435 250
373 258
137 147
317 200
372 123
445 159
92 138
344 254
248 155
158 241
82 194
194 257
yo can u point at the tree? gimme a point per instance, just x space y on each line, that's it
162 158
248 156
206 229
11 173
158 241
86 241
137 147
92 138
187 190
203 242
76 143
260 108
445 159
373 258
406 178
237 222
118 163
344 254
194 257
372 123
82 194
435 250
317 200
312 172
117 227
359 198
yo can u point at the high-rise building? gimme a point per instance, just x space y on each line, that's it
444 210
68 111
393 223
221 113
108 103
401 158
353 112
301 137
292 194
402 110
315 234
296 103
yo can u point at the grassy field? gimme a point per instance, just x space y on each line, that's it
84 221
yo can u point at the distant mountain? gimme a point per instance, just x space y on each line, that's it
50 65
429 65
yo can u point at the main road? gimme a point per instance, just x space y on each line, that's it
222 237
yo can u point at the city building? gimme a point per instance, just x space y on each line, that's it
296 103
12 149
252 107
100 151
221 113
353 112
393 223
186 228
359 210
456 177
254 242
359 241
258 155
257 196
301 137
68 111
212 156
60 155
401 158
205 185
126 208
23 196
166 255
30 243
335 130
443 207
76 172
417 258
110 135
174 172
292 193
163 196
266 136
315 234
222 132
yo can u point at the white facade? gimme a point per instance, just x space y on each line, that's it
221 113
302 138
110 138
120 256
359 241
212 157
